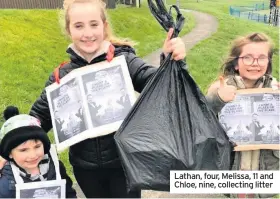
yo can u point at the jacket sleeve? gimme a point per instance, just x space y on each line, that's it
7 189
140 72
40 109
70 192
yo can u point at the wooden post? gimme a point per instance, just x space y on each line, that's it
135 3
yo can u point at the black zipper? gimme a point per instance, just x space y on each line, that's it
98 155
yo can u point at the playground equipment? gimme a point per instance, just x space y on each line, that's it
274 12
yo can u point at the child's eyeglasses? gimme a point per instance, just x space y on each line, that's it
248 60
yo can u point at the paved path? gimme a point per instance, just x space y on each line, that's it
205 26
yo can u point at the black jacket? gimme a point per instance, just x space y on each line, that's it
7 181
101 151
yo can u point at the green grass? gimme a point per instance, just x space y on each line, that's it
206 58
263 12
142 27
32 45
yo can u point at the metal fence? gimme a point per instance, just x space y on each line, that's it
133 3
31 4
251 15
45 4
251 12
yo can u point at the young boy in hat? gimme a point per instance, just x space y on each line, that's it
26 147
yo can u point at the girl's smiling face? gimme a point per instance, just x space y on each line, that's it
86 28
253 61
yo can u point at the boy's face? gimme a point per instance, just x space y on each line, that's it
28 154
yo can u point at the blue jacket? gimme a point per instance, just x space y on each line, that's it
7 181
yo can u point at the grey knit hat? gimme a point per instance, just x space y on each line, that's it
19 129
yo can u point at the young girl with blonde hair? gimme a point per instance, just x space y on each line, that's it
95 162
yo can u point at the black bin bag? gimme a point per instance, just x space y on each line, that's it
170 127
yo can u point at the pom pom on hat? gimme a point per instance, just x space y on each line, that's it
10 111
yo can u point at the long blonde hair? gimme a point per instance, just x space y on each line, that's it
109 36
228 68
